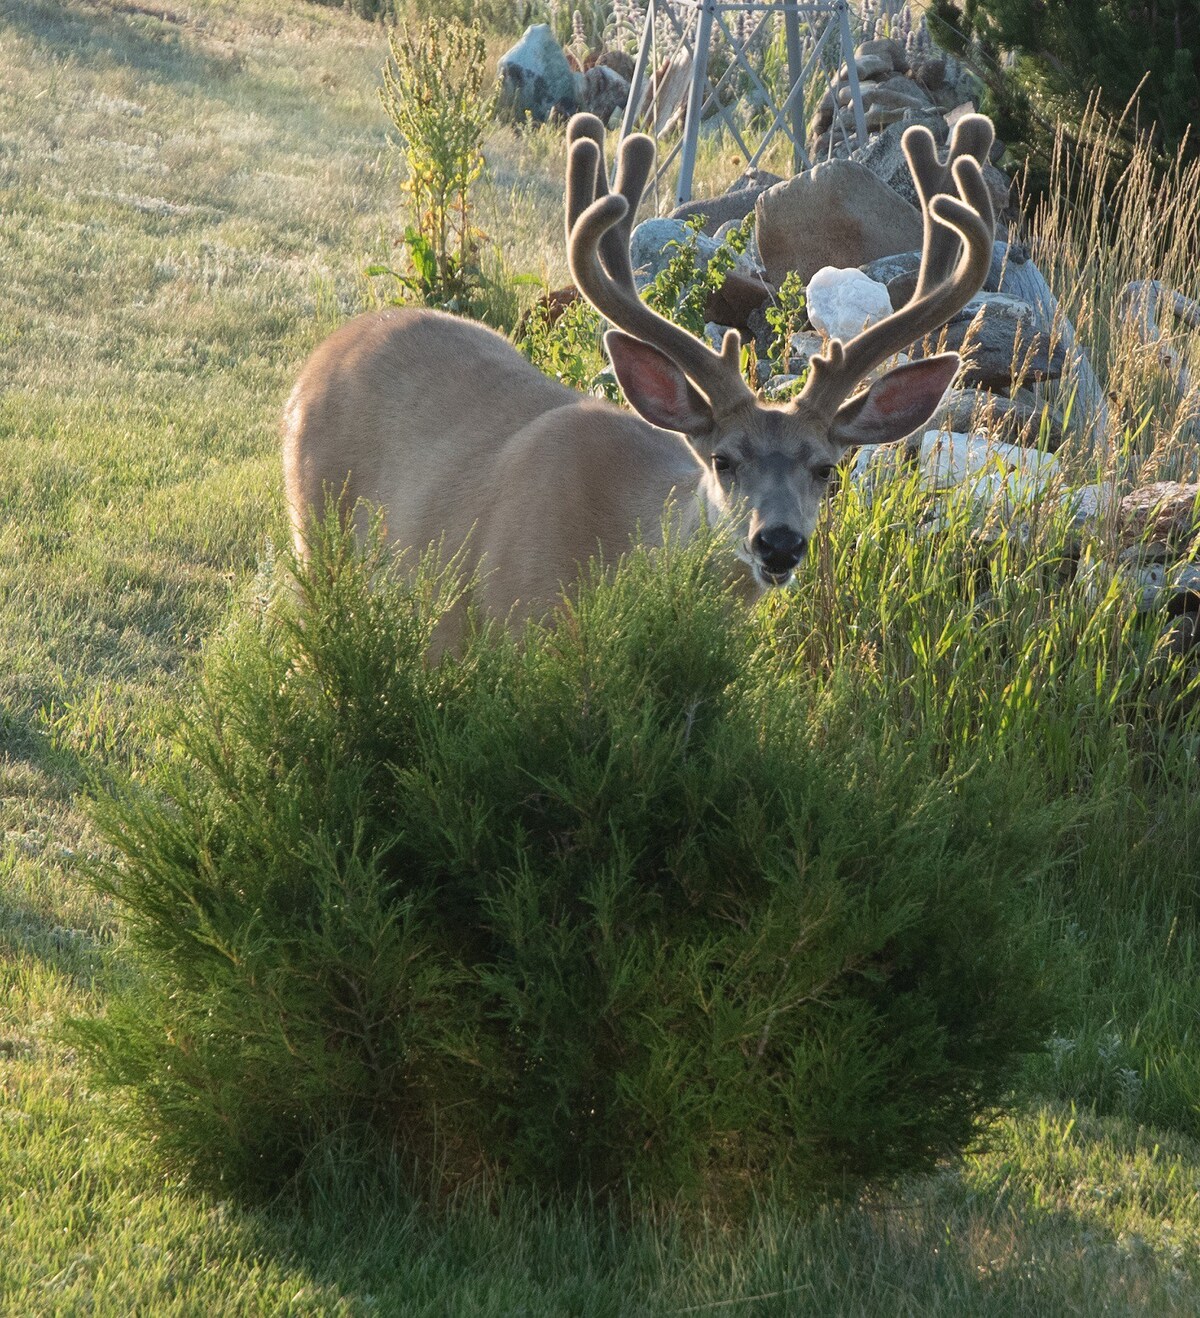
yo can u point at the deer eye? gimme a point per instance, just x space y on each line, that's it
824 473
721 464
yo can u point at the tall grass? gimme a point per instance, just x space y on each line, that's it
1111 216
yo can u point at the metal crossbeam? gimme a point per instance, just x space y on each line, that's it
696 25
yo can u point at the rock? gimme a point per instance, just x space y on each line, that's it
1000 186
899 272
750 256
779 387
883 47
1006 419
1175 585
841 302
837 213
930 71
753 177
667 94
884 157
618 61
802 349
1162 520
895 94
604 92
650 250
1003 345
535 76
742 293
868 67
719 211
991 474
1089 503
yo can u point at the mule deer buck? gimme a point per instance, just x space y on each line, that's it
443 425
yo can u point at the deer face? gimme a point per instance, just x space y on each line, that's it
767 468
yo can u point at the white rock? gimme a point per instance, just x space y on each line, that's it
991 474
842 302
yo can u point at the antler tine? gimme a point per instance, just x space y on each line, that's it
634 166
945 284
599 228
973 136
584 184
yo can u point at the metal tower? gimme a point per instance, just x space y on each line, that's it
737 30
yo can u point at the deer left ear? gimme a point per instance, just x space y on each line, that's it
895 404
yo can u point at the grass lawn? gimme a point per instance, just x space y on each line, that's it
187 198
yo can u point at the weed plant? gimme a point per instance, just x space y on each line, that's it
433 91
622 906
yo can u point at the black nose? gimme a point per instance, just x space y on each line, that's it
778 548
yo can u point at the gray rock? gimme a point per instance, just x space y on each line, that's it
930 71
780 386
535 77
897 93
604 92
719 211
884 156
753 177
887 48
868 67
899 272
1003 344
837 213
618 61
650 250
1007 419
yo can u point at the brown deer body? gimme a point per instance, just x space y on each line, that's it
443 425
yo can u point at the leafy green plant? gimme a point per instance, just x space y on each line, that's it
786 316
433 92
566 346
681 290
624 904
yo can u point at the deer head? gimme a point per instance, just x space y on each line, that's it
766 466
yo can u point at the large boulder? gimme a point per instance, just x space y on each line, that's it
837 213
719 211
884 157
535 77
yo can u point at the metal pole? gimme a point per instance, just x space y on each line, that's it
634 103
860 122
791 28
691 122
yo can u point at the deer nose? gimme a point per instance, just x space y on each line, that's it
779 548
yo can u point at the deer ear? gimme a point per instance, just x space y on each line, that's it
656 388
895 404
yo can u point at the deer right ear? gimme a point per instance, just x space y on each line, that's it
655 387
895 404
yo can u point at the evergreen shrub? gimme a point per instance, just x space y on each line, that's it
625 904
